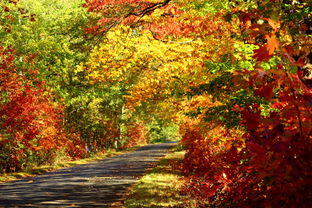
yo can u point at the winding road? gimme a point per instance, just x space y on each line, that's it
97 184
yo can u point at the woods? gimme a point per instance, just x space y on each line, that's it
231 79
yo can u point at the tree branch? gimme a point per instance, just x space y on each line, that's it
148 9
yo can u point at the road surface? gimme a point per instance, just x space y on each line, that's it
96 184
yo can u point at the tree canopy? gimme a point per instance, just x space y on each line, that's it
232 79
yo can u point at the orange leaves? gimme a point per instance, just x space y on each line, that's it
168 24
272 43
275 112
275 25
262 32
28 115
264 53
137 134
115 12
168 27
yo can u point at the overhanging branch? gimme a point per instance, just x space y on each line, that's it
148 9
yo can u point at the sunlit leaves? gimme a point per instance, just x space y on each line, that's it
268 99
29 120
135 57
235 75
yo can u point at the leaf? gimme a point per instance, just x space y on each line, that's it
264 53
274 24
267 91
272 43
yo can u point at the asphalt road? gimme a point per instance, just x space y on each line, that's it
96 184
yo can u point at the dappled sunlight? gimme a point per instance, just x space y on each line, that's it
161 187
96 184
231 80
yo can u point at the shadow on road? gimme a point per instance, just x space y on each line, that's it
97 184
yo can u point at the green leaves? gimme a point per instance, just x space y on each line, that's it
51 40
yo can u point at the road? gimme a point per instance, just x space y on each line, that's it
97 184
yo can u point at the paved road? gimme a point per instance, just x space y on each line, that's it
97 184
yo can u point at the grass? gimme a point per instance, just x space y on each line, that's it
160 187
61 164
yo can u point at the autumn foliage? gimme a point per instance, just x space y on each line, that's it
137 134
30 121
242 91
270 164
234 75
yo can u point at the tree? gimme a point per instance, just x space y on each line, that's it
31 121
247 125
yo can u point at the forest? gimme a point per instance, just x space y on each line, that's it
230 79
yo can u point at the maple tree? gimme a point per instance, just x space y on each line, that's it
248 128
31 128
235 76
111 13
271 102
30 122
54 43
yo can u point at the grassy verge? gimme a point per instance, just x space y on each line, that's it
160 187
61 164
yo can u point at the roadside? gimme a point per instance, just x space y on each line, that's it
161 187
63 163
96 184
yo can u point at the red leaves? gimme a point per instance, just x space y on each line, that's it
266 90
278 123
265 31
114 12
137 134
170 27
29 118
251 118
264 53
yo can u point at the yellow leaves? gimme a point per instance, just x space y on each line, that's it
157 13
151 69
95 75
126 51
120 32
80 68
